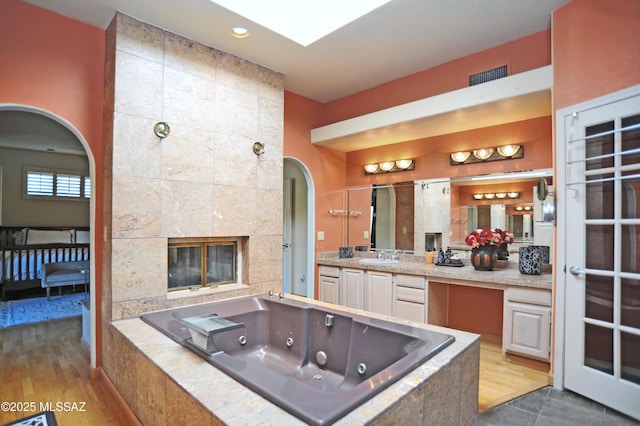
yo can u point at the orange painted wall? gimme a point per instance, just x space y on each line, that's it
595 49
520 55
56 64
475 309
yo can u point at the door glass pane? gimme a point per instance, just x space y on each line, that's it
630 196
598 348
630 140
599 202
599 298
630 292
599 145
630 256
599 247
630 347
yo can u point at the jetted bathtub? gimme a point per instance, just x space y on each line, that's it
314 362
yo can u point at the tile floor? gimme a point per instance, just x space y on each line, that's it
549 407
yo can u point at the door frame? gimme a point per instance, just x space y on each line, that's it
310 226
559 270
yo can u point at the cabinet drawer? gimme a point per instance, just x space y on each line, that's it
410 294
414 281
410 311
329 271
528 295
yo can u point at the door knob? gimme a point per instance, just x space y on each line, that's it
577 271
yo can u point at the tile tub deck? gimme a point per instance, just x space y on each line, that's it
165 383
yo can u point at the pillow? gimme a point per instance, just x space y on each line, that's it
41 236
20 237
82 237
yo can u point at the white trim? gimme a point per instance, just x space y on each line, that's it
562 238
92 205
311 220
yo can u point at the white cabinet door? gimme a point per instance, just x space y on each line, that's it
352 288
329 289
379 292
526 329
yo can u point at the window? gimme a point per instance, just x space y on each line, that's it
209 263
55 184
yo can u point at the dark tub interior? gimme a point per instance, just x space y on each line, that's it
287 353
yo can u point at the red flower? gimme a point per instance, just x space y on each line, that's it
484 236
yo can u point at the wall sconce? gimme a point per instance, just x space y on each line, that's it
161 129
258 148
521 208
503 152
389 166
498 195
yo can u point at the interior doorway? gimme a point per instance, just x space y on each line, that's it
298 225
33 129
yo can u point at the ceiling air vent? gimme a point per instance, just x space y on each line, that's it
488 75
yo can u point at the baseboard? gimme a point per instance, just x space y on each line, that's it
100 377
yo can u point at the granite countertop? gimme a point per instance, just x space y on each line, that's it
506 273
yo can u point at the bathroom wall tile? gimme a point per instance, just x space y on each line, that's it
133 308
269 212
138 86
234 162
269 174
189 56
151 391
270 84
266 286
234 210
182 409
470 373
139 268
185 209
124 373
188 155
265 258
189 100
270 113
442 395
237 112
138 38
237 73
136 207
136 149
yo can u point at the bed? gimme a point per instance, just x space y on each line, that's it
23 251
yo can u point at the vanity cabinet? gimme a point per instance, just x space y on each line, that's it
410 298
329 284
352 288
379 292
527 322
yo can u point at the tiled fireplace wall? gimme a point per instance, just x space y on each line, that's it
203 180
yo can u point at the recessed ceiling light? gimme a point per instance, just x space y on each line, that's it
239 32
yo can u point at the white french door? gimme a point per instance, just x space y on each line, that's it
600 154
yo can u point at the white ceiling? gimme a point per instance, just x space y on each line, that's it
397 39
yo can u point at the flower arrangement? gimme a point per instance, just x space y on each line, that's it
484 236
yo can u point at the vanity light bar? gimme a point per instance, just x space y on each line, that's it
389 166
496 195
503 152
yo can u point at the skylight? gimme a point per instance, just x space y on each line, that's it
304 22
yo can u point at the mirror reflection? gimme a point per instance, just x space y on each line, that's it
431 214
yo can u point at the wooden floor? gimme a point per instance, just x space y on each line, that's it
45 363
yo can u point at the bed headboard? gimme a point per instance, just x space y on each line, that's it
19 235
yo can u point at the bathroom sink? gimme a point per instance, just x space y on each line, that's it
378 261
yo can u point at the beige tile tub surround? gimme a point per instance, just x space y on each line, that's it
203 180
166 384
